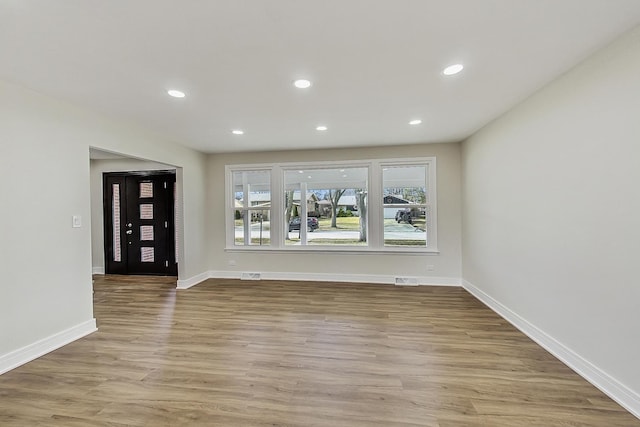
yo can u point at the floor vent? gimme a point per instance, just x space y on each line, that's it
406 281
250 276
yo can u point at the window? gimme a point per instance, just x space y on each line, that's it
372 205
405 205
331 201
251 205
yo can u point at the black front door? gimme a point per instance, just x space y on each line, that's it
139 223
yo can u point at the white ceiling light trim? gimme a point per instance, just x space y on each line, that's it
237 132
453 69
415 122
322 128
176 93
302 83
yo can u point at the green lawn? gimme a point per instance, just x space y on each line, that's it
345 223
342 223
254 241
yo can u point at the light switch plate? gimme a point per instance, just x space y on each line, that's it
77 221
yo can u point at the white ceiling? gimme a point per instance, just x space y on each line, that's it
374 64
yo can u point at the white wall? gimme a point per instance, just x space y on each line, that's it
97 168
45 263
551 214
447 267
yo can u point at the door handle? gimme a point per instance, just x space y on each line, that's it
129 231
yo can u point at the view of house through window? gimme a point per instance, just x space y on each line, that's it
252 207
334 206
381 205
405 205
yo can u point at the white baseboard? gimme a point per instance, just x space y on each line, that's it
336 277
192 281
30 352
97 270
627 398
317 277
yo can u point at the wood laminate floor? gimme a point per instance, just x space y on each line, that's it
266 353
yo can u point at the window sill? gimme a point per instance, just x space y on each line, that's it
337 251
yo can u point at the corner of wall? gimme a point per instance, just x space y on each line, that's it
610 386
39 348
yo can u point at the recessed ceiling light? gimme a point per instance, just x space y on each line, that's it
309 177
321 128
415 122
237 132
176 93
302 83
300 171
452 69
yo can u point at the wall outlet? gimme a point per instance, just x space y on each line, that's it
76 221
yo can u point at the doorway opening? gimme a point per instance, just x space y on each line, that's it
139 223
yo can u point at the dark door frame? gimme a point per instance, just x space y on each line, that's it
169 266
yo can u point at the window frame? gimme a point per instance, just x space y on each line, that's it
375 215
230 207
430 204
311 166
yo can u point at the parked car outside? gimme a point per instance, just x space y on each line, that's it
404 215
312 224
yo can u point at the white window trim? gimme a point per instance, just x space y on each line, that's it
375 231
432 224
229 213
